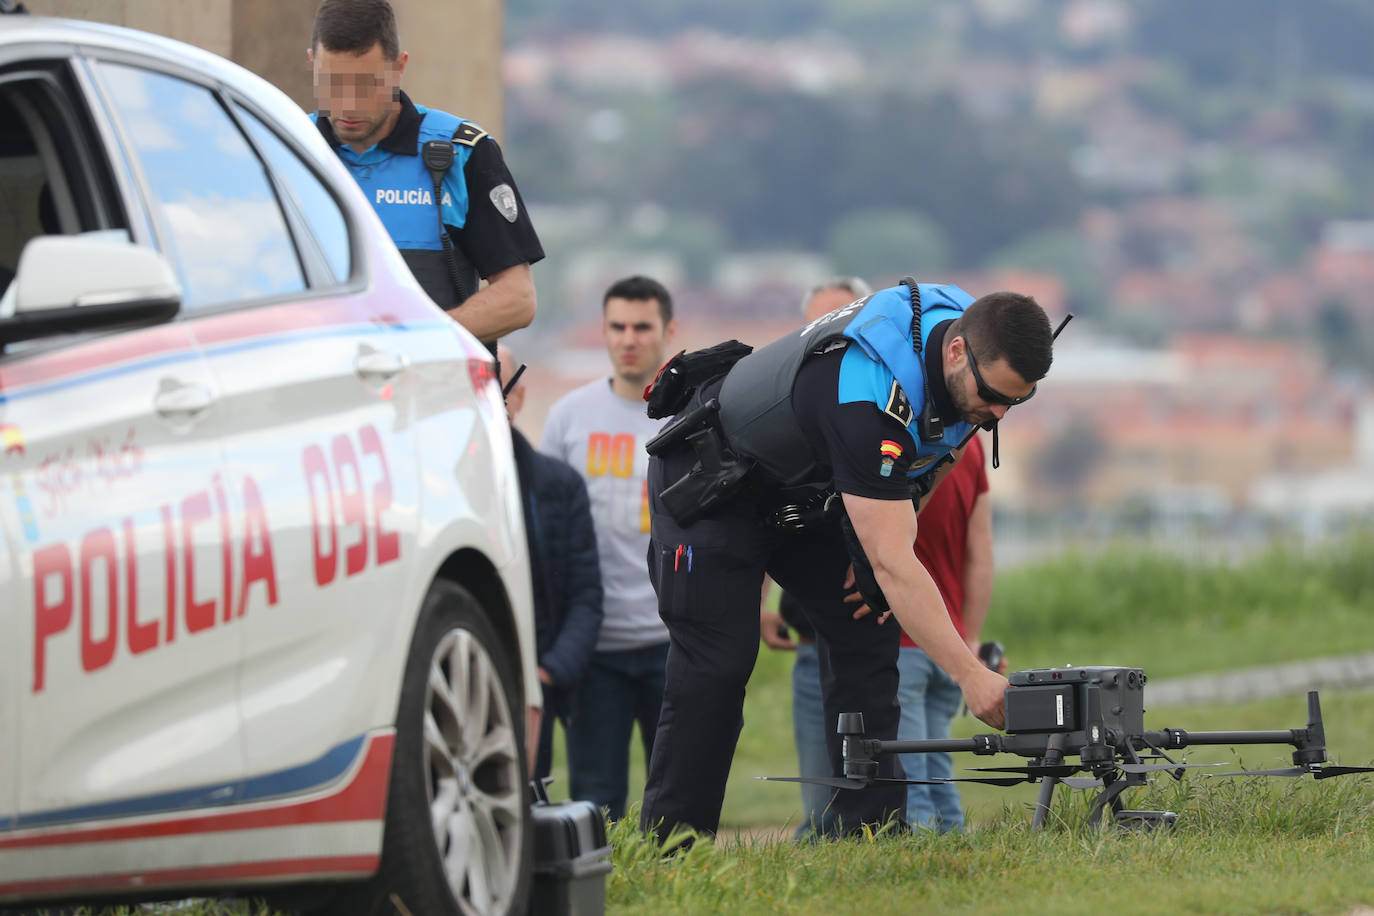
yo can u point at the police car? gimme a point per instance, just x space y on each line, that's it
265 615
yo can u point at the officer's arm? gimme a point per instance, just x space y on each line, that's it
506 304
887 529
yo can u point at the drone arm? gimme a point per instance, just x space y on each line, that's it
1171 738
978 744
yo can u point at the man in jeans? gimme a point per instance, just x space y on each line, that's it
601 429
954 543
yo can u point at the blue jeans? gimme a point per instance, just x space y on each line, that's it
929 699
618 690
808 731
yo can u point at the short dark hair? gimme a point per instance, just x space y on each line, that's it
1009 326
640 287
354 26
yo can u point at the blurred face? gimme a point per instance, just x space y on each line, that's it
980 391
636 338
357 92
826 301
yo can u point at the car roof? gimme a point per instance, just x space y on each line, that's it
50 32
24 29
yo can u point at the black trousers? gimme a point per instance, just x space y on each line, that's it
708 577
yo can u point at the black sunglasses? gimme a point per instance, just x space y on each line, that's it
989 395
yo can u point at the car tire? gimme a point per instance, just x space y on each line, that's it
459 836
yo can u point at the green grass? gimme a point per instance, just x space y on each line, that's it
1237 849
1241 845
1168 616
1175 618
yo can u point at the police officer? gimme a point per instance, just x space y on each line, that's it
381 135
858 403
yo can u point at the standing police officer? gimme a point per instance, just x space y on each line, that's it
816 438
401 153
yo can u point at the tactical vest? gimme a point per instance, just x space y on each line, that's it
401 190
757 416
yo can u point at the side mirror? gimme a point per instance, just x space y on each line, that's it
68 284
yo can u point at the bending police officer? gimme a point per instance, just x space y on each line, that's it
820 433
401 153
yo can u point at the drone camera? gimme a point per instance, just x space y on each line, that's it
1100 705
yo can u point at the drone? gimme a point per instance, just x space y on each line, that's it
1094 714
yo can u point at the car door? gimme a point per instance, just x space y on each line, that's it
322 419
313 412
125 657
10 508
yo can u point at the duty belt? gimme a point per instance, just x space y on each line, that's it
818 509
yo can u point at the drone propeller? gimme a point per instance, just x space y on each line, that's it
839 782
1317 771
1285 771
1155 767
991 780
1081 782
1030 769
1328 772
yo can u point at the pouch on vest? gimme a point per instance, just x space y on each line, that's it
715 476
682 375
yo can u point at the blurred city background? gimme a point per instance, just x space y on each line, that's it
1194 179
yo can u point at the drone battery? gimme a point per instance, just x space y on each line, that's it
1043 708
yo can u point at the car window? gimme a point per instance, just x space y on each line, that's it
229 239
311 200
23 177
54 179
39 193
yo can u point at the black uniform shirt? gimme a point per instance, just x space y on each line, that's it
857 440
490 242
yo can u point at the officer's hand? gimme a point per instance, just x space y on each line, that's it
773 631
853 596
985 695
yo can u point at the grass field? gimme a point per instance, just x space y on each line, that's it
1120 607
1244 845
1239 848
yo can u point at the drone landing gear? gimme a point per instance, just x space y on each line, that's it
1145 821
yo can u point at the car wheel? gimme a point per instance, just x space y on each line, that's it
459 838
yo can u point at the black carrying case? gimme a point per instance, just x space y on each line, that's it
571 857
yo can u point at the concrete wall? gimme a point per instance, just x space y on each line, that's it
454 45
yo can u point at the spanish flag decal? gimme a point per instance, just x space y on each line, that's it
891 451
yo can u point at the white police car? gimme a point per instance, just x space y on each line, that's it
265 614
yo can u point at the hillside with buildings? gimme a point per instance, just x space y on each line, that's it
1192 180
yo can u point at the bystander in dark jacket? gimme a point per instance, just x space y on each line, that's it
564 572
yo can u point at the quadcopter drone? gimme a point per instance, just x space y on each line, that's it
1096 714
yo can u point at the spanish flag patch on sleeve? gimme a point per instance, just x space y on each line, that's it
890 452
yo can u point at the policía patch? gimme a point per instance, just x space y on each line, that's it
898 407
503 198
890 451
